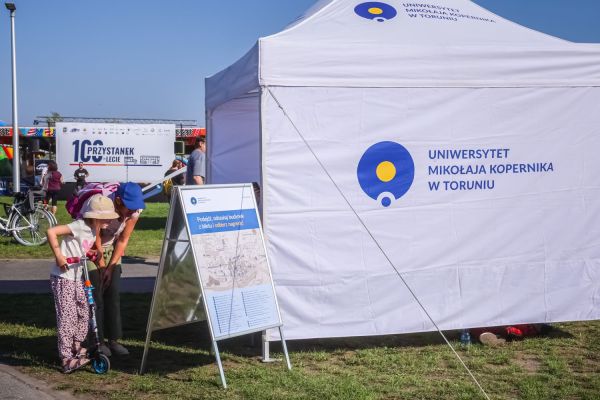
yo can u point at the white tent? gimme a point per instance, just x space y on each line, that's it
481 134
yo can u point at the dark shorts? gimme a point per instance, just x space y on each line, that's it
51 197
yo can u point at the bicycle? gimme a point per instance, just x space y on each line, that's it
37 196
26 221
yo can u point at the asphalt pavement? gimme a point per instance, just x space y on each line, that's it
33 276
14 385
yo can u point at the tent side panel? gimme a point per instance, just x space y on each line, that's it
499 224
234 141
234 81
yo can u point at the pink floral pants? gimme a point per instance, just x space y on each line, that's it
72 314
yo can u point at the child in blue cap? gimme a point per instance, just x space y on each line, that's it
129 203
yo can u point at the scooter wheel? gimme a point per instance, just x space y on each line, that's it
101 364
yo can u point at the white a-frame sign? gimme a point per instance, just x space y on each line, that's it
214 267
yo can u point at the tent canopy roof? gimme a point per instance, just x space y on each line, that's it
450 43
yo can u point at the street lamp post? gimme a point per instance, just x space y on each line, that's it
16 155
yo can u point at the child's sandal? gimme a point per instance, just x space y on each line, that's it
81 352
74 364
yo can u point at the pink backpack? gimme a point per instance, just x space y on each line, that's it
76 202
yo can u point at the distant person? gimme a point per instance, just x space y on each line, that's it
179 179
175 181
80 175
40 170
52 184
196 166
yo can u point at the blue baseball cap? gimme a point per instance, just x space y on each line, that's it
131 195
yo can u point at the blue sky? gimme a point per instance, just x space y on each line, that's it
149 58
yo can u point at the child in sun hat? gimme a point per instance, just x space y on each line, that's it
72 313
129 203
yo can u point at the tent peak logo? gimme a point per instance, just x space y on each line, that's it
376 11
385 172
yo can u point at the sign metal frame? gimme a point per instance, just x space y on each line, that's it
177 199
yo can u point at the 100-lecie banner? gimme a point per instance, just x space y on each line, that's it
115 152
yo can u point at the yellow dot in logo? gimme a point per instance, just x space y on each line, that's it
386 171
375 10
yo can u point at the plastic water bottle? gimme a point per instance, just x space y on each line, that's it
465 338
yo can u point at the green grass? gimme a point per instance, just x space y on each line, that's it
145 242
563 365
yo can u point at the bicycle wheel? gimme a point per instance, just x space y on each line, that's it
29 228
53 220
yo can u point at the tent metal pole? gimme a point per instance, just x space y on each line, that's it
260 155
208 157
266 350
266 356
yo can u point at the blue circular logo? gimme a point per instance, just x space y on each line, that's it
385 172
376 11
194 201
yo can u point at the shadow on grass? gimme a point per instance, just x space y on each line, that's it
28 351
175 348
146 223
37 310
21 346
42 351
556 333
400 340
28 309
161 361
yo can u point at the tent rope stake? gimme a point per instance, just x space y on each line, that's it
376 242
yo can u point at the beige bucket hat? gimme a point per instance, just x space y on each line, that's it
100 207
